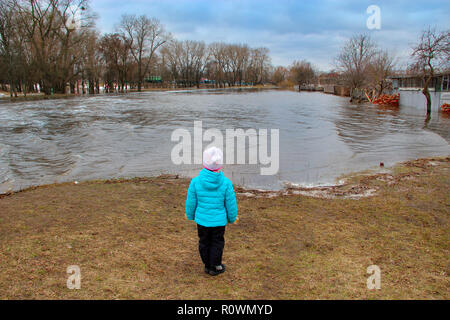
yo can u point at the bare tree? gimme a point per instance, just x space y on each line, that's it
218 66
92 62
146 35
379 69
7 43
231 64
186 61
280 74
430 53
171 53
302 73
200 58
258 66
55 31
116 56
237 56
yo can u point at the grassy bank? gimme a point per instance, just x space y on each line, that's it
131 240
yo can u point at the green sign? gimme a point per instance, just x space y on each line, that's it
154 79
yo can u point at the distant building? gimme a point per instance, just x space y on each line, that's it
333 83
410 89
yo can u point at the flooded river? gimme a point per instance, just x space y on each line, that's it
111 136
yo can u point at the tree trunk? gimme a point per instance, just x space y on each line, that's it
91 86
428 97
46 88
139 85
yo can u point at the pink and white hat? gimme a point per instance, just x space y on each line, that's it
213 159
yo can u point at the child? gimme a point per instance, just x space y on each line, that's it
211 202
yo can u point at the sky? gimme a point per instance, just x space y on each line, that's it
314 30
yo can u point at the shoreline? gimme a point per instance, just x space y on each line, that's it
131 240
354 185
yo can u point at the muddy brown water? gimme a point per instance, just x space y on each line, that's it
114 136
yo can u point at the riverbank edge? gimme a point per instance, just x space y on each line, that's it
354 185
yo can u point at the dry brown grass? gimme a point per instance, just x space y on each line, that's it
131 241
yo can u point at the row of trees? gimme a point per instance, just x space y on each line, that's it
301 73
227 64
431 53
45 45
53 46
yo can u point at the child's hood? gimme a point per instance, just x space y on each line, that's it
210 180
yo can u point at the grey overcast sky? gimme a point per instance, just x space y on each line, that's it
292 30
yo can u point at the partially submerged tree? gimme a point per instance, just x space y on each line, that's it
219 64
354 62
186 61
302 73
54 33
92 64
238 56
52 45
431 53
116 56
259 66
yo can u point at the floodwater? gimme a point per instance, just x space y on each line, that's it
110 136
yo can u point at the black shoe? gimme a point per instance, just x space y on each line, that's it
214 271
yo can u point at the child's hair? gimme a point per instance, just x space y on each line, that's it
213 159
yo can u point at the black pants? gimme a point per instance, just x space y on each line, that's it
211 245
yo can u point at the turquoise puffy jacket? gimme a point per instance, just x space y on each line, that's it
211 200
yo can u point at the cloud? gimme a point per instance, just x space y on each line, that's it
292 30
